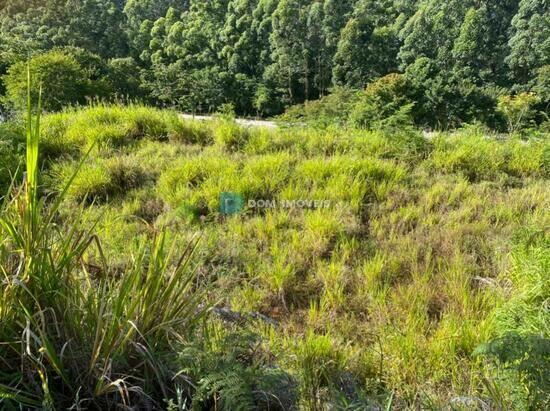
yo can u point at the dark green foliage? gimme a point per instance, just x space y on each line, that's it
236 374
368 45
95 68
352 58
527 359
266 55
37 25
124 76
384 102
140 16
542 88
333 109
446 100
62 79
530 40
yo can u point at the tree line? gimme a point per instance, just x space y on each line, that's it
459 58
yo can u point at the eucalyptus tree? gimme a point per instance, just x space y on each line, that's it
530 40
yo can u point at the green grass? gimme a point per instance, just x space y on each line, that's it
399 293
76 332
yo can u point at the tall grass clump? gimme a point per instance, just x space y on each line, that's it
230 135
519 353
73 333
105 127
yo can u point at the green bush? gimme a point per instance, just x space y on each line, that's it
63 80
124 77
518 110
444 100
95 68
384 103
333 109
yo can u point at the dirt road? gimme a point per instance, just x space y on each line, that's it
242 121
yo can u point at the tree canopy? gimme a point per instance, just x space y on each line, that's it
458 56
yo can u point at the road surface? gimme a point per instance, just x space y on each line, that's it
241 121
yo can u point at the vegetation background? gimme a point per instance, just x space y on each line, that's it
459 60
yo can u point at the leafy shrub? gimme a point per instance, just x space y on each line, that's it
384 103
518 110
266 101
446 100
333 109
95 68
124 78
523 363
226 111
63 80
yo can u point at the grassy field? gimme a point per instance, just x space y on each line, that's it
420 280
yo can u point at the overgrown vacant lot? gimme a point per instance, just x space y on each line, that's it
422 281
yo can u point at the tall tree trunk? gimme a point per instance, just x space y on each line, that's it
306 80
290 96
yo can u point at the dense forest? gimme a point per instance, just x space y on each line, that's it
457 60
